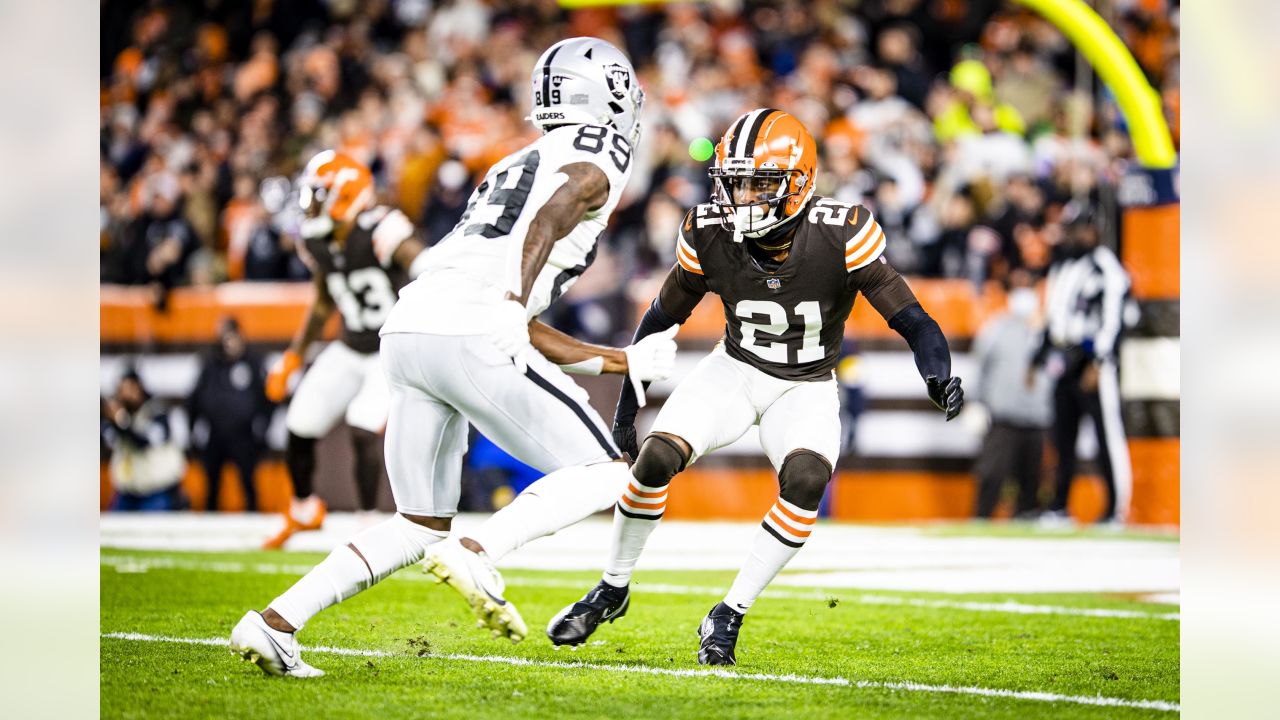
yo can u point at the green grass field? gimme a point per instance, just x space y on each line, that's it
409 648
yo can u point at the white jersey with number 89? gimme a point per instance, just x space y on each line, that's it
478 262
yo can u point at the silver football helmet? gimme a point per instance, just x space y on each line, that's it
586 80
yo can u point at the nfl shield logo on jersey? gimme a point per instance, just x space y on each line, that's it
773 283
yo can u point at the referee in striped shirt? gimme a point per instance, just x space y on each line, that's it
1085 298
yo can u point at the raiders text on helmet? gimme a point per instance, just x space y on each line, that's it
586 80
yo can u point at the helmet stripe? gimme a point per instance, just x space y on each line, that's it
748 148
546 76
740 148
735 134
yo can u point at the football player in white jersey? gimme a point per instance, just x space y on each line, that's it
463 345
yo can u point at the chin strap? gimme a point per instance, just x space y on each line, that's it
740 218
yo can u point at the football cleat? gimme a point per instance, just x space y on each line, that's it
574 624
480 584
302 515
719 633
276 652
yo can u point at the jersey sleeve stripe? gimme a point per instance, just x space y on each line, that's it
688 249
871 254
861 241
687 263
868 228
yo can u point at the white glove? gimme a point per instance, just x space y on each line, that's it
653 358
510 331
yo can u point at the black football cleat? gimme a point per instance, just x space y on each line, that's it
719 633
574 624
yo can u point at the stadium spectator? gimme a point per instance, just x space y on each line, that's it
229 412
1018 409
918 101
146 464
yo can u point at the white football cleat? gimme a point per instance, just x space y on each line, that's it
480 584
276 652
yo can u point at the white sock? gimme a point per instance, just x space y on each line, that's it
636 516
556 501
783 532
369 556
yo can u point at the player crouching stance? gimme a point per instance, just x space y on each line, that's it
787 290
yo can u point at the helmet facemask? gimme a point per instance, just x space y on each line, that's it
753 201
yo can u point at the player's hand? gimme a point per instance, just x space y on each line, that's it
278 378
1089 378
652 358
510 333
946 394
624 436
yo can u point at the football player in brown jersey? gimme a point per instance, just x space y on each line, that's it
360 254
787 266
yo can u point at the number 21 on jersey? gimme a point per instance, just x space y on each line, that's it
776 323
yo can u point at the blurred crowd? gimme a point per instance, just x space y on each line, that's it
967 125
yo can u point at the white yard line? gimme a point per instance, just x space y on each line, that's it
128 564
716 673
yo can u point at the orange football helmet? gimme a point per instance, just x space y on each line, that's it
335 184
761 146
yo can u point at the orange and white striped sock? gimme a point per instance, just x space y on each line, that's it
782 533
635 517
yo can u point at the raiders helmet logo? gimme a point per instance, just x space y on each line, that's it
619 80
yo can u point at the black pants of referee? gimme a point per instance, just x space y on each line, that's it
240 451
1070 404
1009 451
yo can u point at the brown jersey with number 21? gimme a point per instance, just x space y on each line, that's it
789 322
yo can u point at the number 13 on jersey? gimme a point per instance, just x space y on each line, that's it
776 323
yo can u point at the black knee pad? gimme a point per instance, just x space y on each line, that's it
660 459
803 479
300 458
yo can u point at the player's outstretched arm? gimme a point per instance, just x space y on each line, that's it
574 355
885 289
680 294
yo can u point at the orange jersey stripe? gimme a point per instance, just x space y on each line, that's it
687 257
870 236
800 533
875 246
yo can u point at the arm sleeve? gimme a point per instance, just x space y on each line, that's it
673 305
883 287
933 357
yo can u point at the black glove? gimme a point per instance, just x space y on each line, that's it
624 436
946 394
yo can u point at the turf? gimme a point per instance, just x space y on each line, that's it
846 634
